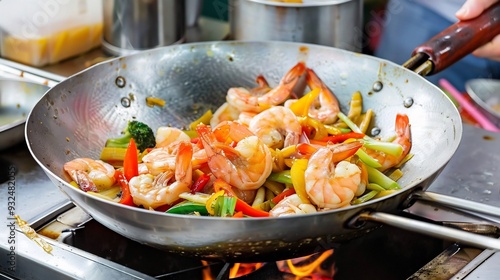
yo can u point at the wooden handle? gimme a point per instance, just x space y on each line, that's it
461 39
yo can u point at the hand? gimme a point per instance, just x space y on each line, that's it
472 9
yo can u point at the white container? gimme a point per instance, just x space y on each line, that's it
38 33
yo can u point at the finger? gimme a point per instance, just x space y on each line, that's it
472 8
490 50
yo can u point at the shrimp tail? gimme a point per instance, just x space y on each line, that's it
403 127
280 93
183 168
83 181
344 150
263 86
294 74
328 102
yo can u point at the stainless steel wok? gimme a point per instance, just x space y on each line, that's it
75 118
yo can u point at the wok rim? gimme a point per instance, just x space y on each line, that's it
457 128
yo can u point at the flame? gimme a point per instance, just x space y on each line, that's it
308 267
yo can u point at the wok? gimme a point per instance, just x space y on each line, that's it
17 98
75 118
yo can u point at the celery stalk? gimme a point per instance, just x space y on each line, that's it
364 198
389 148
374 187
367 159
379 178
282 177
349 123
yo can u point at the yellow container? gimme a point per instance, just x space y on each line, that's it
38 33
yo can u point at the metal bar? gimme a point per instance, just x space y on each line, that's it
442 232
459 203
30 73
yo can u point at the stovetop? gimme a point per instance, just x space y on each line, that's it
86 249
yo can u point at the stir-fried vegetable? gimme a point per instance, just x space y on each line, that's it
260 158
130 162
125 196
139 131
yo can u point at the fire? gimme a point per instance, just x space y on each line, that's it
308 267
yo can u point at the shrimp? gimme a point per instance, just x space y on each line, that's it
246 117
291 205
91 175
332 182
160 160
154 191
244 100
225 112
166 135
245 165
163 159
277 127
403 138
326 106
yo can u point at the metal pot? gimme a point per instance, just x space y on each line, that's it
17 98
335 23
485 93
132 26
75 118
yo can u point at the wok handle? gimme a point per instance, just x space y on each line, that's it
437 231
458 203
455 42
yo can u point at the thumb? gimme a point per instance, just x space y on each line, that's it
473 8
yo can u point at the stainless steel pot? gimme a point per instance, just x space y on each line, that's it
75 118
485 94
335 23
17 99
131 26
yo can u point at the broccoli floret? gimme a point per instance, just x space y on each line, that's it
143 136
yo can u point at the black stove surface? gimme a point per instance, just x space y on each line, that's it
385 253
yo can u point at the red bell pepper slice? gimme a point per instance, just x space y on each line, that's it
342 137
249 210
200 183
282 195
126 197
131 162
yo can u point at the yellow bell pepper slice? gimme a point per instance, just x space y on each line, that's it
297 173
211 202
205 119
301 106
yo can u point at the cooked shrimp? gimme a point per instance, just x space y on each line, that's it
160 160
363 178
154 191
91 175
245 100
291 205
277 127
332 182
403 138
326 106
163 159
166 135
246 117
244 166
225 112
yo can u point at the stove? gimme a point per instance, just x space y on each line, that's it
84 249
